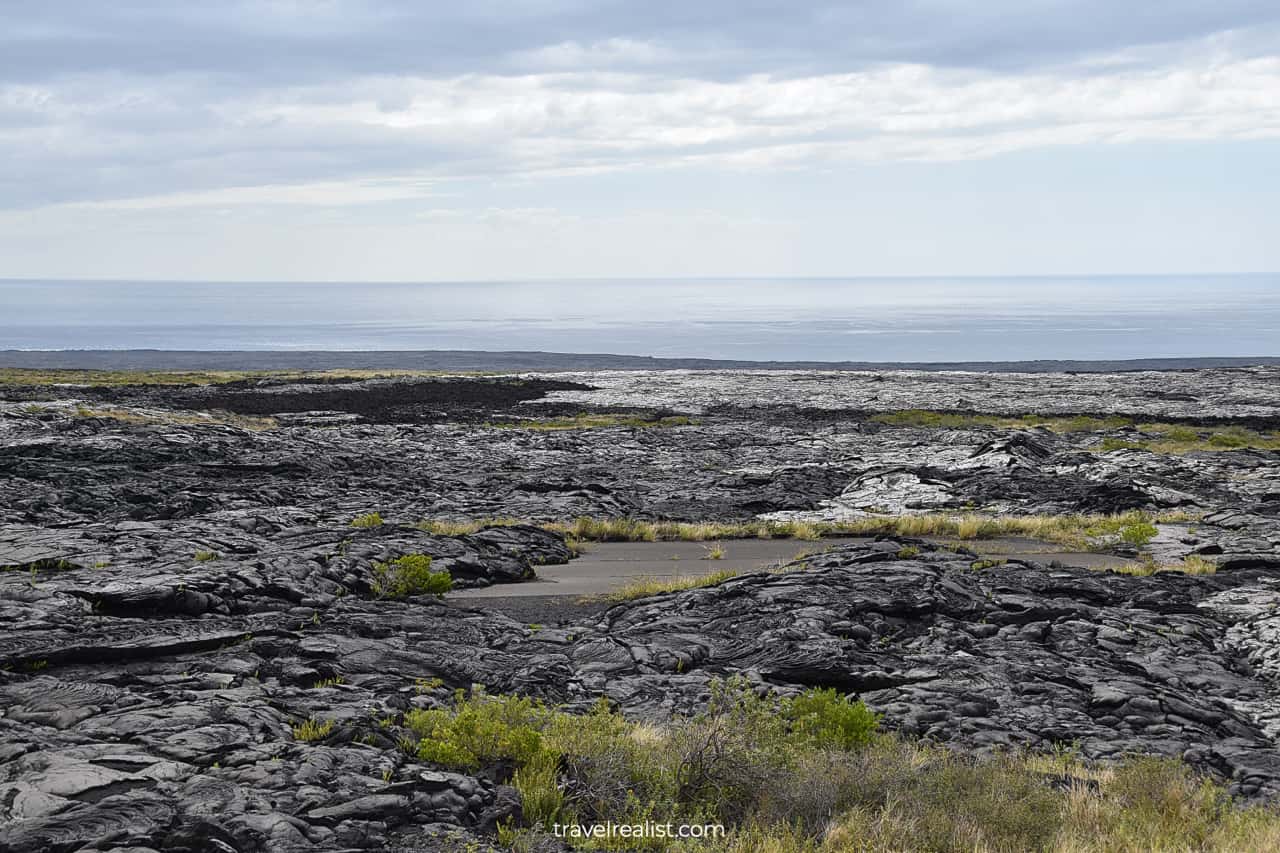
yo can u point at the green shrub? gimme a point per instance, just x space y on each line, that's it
206 556
537 782
810 775
908 552
369 519
409 575
826 718
612 768
480 731
725 756
1138 533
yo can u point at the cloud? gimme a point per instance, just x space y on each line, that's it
148 103
383 138
293 41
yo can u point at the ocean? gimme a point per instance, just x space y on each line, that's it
853 319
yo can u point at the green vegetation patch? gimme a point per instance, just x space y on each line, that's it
718 765
1192 565
1156 437
368 520
313 730
175 417
409 575
465 527
812 773
643 587
1078 532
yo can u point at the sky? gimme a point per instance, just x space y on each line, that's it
415 141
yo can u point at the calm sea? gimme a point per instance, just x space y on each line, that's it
859 319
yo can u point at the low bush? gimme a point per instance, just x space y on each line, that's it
747 750
538 783
409 575
826 718
811 774
369 519
479 731
1138 533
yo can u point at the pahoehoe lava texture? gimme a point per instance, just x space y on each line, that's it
148 699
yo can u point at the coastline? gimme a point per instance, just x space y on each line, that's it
525 361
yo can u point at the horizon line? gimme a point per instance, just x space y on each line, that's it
641 279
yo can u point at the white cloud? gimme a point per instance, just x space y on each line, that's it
570 55
385 138
553 121
330 194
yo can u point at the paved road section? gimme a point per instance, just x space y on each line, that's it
607 566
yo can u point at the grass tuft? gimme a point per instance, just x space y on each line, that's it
643 587
1192 565
313 730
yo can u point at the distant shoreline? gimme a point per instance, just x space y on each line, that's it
534 361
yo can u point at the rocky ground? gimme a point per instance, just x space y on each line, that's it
149 698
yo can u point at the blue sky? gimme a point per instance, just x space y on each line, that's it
397 140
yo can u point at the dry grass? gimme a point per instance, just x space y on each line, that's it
446 527
1078 532
1193 565
176 417
931 800
644 587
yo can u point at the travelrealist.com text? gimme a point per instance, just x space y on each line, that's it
648 829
